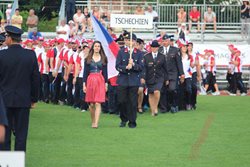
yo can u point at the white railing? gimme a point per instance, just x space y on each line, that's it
167 12
3 6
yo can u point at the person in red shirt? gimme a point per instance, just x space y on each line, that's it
194 18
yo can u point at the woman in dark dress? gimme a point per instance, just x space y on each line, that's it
95 79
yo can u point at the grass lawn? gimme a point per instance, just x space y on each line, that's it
217 134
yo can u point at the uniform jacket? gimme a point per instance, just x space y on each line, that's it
19 77
174 63
129 77
155 70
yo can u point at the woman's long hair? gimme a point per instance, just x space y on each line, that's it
102 54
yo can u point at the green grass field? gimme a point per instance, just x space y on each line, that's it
217 134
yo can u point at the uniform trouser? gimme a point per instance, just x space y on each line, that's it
112 99
164 99
19 118
185 93
173 92
194 89
57 87
127 97
239 83
45 86
51 86
230 79
70 98
79 95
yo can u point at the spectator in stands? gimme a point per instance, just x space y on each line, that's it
209 18
80 21
17 19
105 18
70 9
2 29
139 10
87 19
110 30
8 12
32 21
245 18
34 35
182 15
96 13
72 29
194 18
153 13
182 32
63 30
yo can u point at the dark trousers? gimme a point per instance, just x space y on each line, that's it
45 86
79 95
194 89
112 99
231 83
164 100
173 92
18 119
56 84
239 83
70 9
127 97
185 93
70 99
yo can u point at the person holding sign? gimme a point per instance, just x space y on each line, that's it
129 64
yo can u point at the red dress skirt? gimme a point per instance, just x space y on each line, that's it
95 92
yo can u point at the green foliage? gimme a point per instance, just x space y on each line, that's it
60 136
25 15
48 25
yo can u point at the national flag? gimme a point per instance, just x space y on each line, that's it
110 47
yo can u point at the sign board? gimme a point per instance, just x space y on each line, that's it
223 55
131 21
12 159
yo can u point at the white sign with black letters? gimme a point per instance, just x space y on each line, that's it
12 159
131 21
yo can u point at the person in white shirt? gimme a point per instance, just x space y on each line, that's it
63 30
80 21
8 12
151 12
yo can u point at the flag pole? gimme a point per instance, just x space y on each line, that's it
131 32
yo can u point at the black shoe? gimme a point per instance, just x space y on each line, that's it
131 125
122 124
172 110
156 114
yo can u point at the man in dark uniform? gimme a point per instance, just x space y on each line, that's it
154 75
175 71
128 81
19 84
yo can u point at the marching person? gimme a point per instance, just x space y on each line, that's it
237 62
196 74
186 86
210 66
79 95
154 74
175 73
95 80
19 83
129 81
43 63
